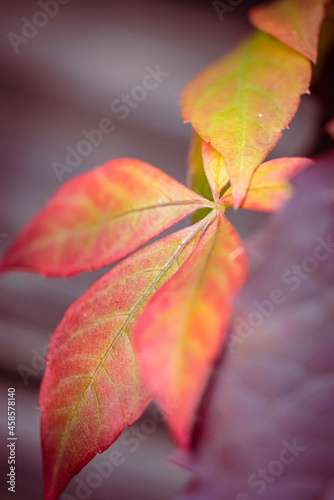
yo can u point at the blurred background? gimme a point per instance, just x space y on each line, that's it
56 80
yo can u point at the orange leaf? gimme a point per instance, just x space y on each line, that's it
182 329
242 103
100 217
270 187
294 22
91 389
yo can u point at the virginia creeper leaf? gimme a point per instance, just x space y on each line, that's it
182 328
294 22
92 389
100 217
242 103
215 169
270 187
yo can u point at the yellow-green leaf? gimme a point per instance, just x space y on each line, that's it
242 103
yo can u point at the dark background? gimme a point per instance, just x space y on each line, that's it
59 83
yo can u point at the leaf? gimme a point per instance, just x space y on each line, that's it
266 430
100 217
270 187
180 332
92 389
294 22
215 169
242 103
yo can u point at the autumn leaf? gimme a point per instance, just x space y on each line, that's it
242 103
181 330
270 187
92 389
294 22
100 217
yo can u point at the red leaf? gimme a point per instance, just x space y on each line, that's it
91 389
182 329
294 22
100 217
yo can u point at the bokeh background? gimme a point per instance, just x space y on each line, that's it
63 80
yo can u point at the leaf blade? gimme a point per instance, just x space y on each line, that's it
240 104
294 22
92 377
99 218
182 328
